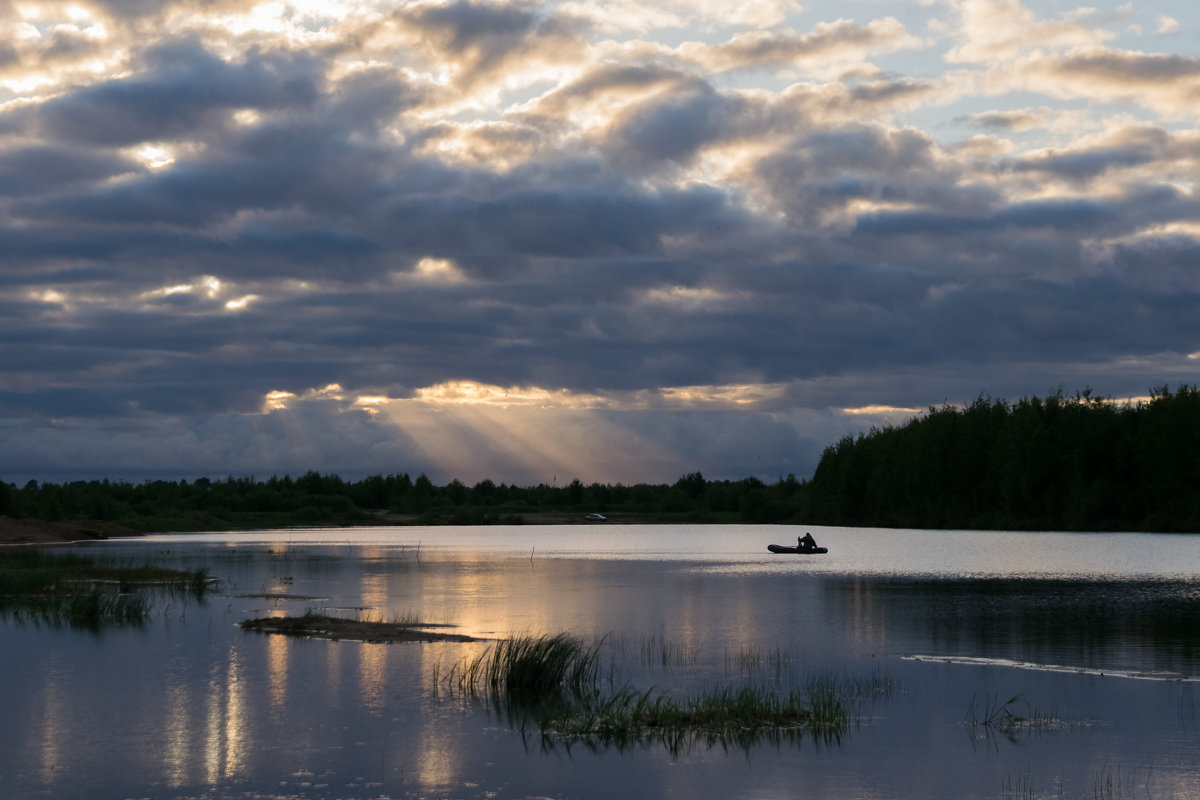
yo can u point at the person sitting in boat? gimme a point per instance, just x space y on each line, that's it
806 542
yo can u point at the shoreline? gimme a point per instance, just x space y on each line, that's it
38 532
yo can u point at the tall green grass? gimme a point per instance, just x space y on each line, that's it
556 685
524 667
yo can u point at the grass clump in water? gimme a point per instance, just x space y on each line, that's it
83 592
554 683
525 667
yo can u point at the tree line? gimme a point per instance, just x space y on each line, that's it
327 499
1076 463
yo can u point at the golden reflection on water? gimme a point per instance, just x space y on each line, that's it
212 741
235 718
176 738
226 741
333 668
865 623
278 648
484 602
372 672
53 710
373 658
436 759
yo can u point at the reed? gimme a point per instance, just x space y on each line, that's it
753 659
659 651
994 714
66 588
529 666
1020 788
554 684
1110 783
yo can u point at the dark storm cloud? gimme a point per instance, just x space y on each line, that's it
669 127
180 90
41 168
493 192
482 39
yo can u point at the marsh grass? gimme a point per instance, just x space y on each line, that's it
556 685
64 588
524 667
1020 788
406 619
1111 783
755 660
994 715
659 651
1013 718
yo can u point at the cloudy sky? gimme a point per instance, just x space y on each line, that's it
610 240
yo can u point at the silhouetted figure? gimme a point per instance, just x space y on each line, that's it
806 542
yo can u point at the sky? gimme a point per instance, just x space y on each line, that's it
617 241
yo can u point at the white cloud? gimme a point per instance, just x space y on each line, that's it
1002 30
1167 25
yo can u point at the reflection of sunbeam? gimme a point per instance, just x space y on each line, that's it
235 718
224 751
212 742
866 623
372 664
52 731
484 602
277 669
435 764
177 740
372 669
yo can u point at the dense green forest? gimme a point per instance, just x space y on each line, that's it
316 499
1059 463
1077 463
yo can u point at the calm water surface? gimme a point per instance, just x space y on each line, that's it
1098 634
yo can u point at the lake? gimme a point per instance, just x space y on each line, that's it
1096 635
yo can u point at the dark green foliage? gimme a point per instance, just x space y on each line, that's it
315 499
1062 463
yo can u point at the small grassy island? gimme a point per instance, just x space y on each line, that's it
320 626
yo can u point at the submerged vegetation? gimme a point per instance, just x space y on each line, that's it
82 592
560 686
1059 463
322 626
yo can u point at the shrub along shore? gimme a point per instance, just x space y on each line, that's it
1078 463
